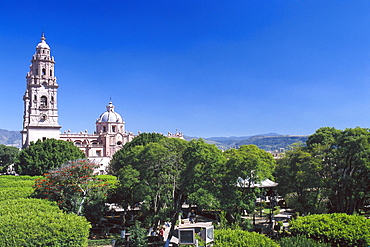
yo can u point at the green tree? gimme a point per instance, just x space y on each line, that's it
248 163
138 237
7 156
150 175
302 180
119 158
345 156
40 157
202 177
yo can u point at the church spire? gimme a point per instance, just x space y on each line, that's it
40 119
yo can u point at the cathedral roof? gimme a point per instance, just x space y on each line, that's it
110 116
42 43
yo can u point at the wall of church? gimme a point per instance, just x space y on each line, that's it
35 134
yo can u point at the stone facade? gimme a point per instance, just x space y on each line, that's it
109 137
41 115
40 119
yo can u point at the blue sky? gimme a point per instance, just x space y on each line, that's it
206 68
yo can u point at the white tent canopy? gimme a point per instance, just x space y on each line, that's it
245 183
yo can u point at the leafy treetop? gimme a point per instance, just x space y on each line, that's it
40 157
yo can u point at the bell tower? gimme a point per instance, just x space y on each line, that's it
40 118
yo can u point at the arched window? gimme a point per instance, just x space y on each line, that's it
43 101
35 98
51 73
104 129
43 71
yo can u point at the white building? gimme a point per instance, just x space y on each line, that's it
40 119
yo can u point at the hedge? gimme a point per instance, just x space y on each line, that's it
300 241
240 238
37 222
338 229
14 187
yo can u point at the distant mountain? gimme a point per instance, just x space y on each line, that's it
268 142
9 137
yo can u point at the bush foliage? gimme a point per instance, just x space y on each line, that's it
75 189
338 229
15 187
240 238
36 222
301 241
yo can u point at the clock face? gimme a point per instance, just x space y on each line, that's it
43 117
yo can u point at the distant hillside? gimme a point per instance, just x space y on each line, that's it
271 143
13 138
268 142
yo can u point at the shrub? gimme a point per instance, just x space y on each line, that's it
15 193
14 187
338 229
74 188
300 241
138 235
110 179
36 222
240 238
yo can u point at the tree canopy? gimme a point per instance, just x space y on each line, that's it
119 158
40 157
334 167
161 175
7 156
250 164
150 175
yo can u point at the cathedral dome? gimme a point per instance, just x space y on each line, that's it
42 43
110 116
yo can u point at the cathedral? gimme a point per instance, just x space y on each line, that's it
40 119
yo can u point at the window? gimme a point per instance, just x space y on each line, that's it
78 144
98 153
35 98
44 139
43 101
104 129
51 73
113 128
43 71
37 71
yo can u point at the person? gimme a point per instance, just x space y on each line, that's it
192 216
161 234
